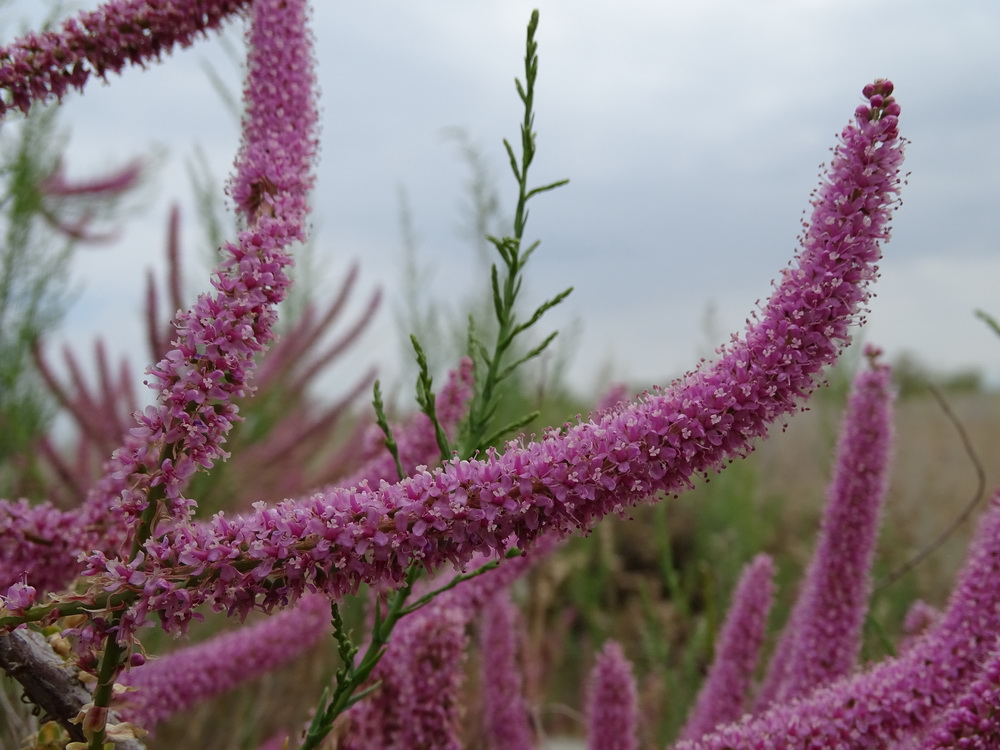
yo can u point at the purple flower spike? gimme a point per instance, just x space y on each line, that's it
972 722
823 638
218 338
723 696
920 618
417 703
612 704
897 699
506 721
430 698
273 174
180 680
44 66
574 476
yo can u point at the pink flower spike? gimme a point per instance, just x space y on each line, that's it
44 66
187 676
218 339
566 480
972 722
272 175
896 699
506 720
56 185
418 702
612 704
920 618
723 696
824 633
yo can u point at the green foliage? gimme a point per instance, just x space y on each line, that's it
990 321
32 289
493 368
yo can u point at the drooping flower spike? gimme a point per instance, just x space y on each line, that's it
571 477
45 65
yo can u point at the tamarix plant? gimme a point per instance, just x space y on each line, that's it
440 525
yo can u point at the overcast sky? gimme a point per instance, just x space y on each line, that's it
691 131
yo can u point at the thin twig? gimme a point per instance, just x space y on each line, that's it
966 512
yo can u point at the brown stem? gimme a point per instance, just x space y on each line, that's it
49 682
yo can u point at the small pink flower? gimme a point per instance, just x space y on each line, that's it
19 597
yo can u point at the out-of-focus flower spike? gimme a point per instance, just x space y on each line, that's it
187 676
825 634
897 698
115 183
612 703
506 719
97 424
110 395
42 542
377 722
71 478
295 435
616 395
158 335
338 347
174 261
44 66
417 702
430 702
723 696
920 618
306 333
155 339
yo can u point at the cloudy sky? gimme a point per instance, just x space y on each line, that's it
691 131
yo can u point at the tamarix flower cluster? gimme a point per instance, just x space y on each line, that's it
437 541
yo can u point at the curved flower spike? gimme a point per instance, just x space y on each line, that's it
43 66
217 339
338 539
